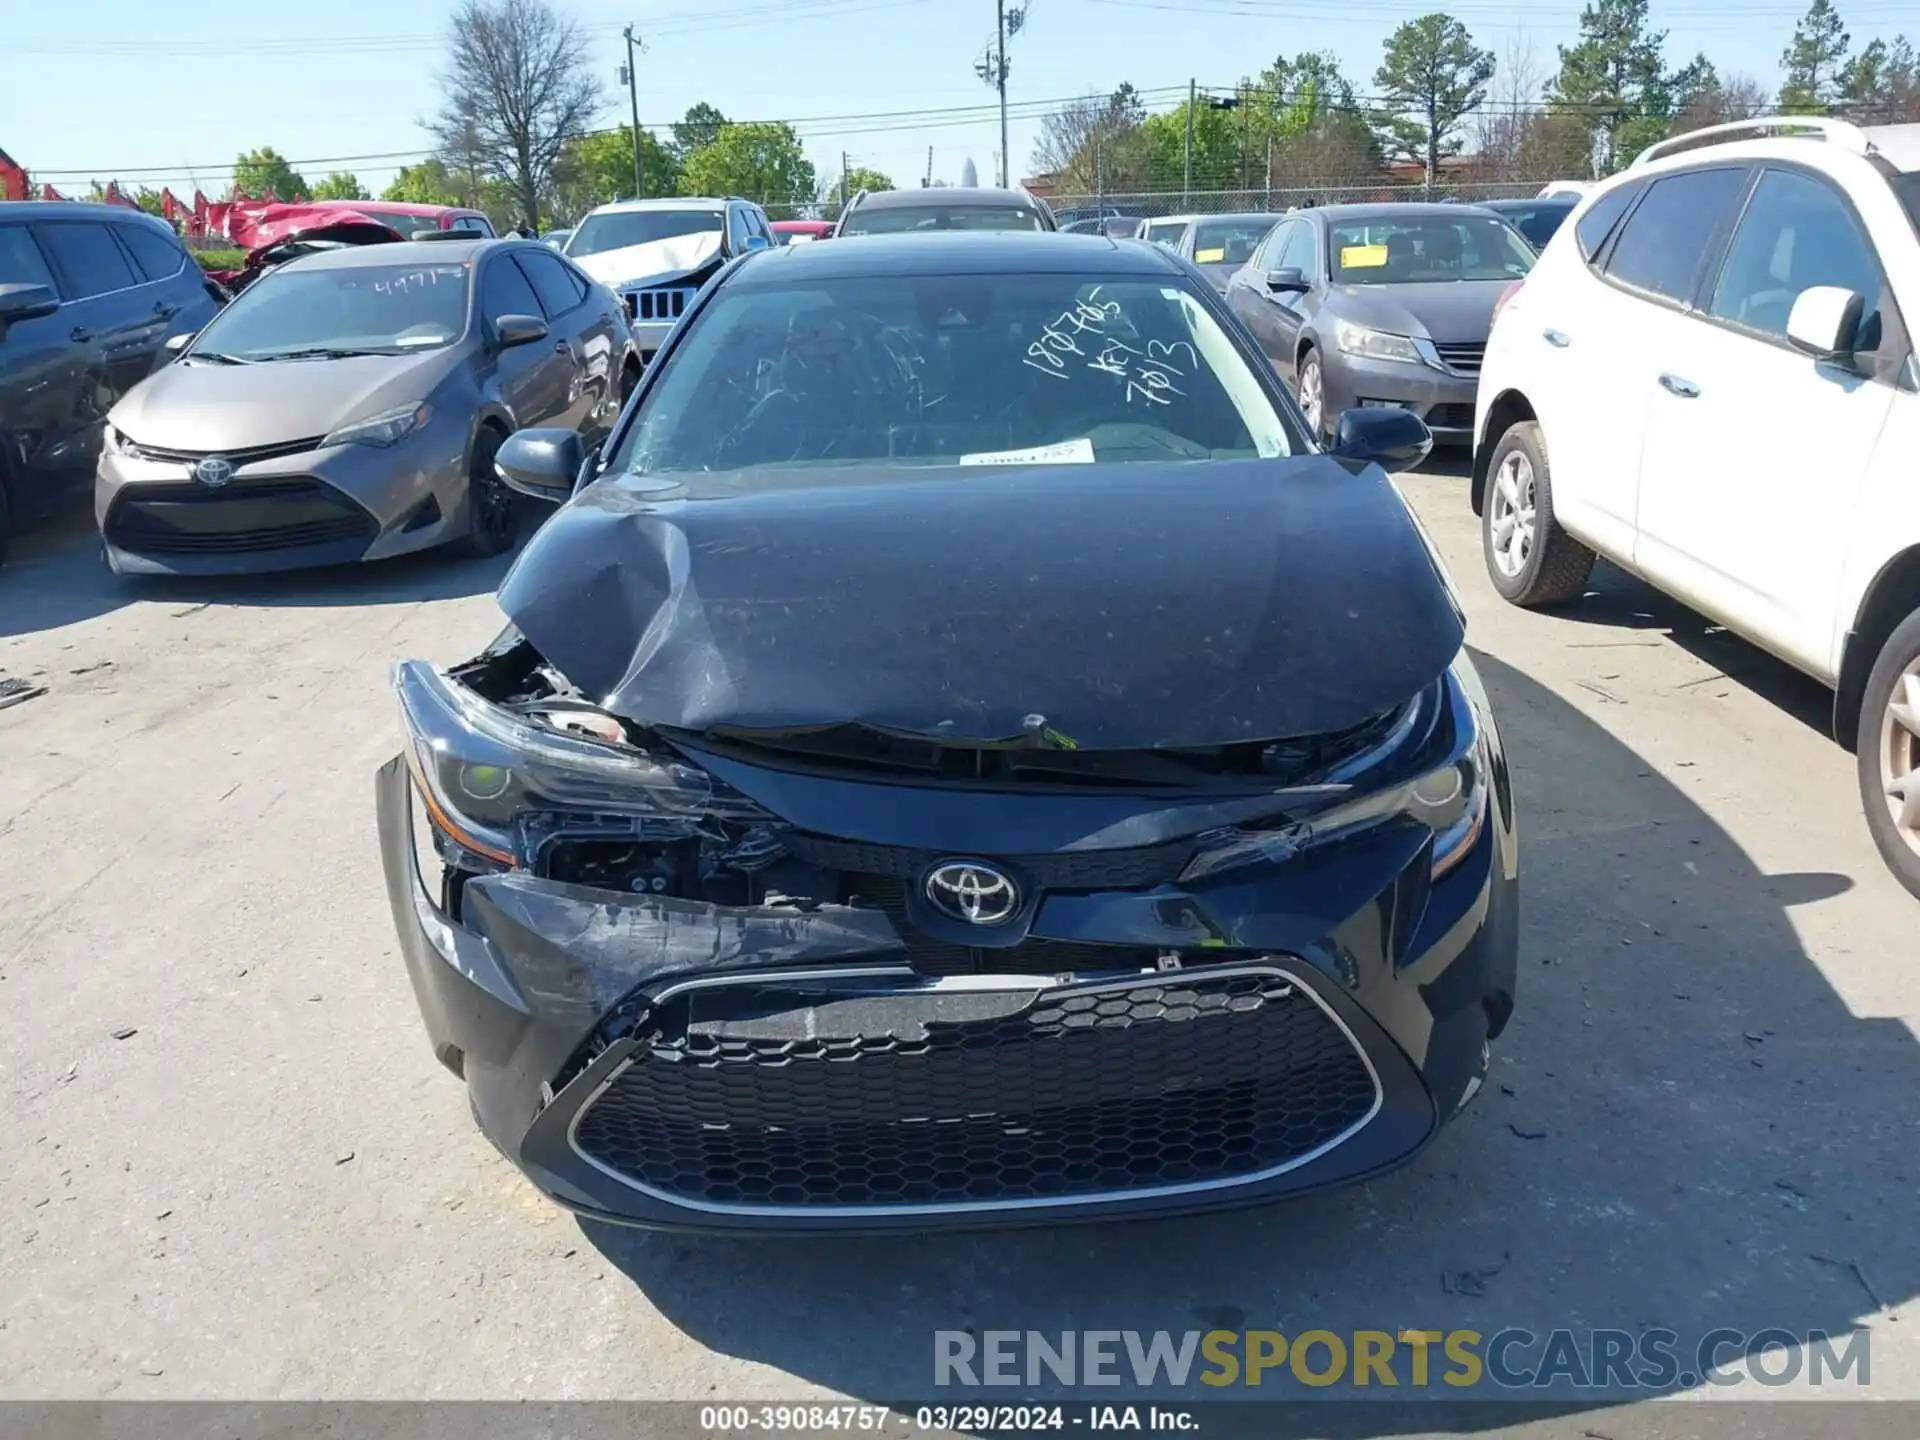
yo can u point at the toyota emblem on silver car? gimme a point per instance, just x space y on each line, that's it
970 891
213 472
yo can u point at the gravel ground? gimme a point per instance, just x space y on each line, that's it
233 1170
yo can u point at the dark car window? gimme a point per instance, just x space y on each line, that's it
1597 224
378 309
737 228
1537 222
617 229
1414 248
551 283
1660 248
158 256
1300 249
1229 242
955 370
88 257
504 290
21 262
899 219
1796 234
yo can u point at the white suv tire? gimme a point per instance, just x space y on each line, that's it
1530 559
1887 752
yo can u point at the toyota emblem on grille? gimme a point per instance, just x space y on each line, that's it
213 472
970 891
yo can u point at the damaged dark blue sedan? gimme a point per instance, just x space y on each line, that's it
961 755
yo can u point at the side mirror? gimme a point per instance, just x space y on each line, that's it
756 242
1289 281
25 302
1386 435
1825 322
511 330
542 463
176 343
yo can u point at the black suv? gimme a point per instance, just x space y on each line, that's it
89 296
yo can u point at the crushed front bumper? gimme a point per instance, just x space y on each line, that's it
671 1063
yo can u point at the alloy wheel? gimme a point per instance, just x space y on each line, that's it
492 500
1510 514
1312 394
1900 755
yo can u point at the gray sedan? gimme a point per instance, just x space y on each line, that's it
348 407
1382 305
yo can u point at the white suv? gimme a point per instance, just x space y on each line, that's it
1710 380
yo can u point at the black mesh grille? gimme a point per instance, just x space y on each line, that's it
1455 415
1463 358
1061 870
183 519
783 1096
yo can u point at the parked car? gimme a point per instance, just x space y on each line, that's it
656 254
275 234
1537 218
407 217
557 239
1221 244
794 864
1381 305
897 212
348 407
1710 380
788 232
89 297
1166 230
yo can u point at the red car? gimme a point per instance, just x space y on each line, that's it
787 231
407 218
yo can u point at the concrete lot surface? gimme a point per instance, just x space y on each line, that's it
269 1189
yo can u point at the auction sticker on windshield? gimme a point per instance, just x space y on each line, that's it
1069 452
1362 257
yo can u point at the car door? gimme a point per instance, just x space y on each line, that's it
1588 340
1754 451
108 316
46 385
563 302
1247 292
163 262
533 379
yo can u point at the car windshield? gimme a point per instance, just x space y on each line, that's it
407 221
353 309
1417 249
953 370
617 229
896 219
1230 242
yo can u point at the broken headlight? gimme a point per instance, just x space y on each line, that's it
1432 767
504 788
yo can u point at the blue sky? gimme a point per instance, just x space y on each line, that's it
169 93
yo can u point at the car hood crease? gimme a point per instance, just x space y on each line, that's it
1131 606
1444 310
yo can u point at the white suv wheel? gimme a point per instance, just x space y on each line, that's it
1899 750
1510 502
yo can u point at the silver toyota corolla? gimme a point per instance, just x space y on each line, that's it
348 406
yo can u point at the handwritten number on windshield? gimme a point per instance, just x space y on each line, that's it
1150 378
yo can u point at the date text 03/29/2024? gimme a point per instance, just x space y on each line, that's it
942 1419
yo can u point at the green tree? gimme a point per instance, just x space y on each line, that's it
1882 82
763 162
1216 147
427 183
594 169
696 130
857 178
1614 78
341 185
1814 60
259 171
1432 78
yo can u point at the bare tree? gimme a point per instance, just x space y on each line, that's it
1512 105
518 87
1738 97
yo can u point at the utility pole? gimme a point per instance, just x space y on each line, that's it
927 184
844 187
992 68
1193 95
633 98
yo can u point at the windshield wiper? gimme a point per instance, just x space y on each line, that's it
322 352
216 358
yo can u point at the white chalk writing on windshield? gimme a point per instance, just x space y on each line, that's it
1150 378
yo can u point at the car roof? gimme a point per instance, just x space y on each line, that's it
1564 200
1899 145
407 252
76 210
952 252
1236 215
400 207
1387 210
946 195
664 202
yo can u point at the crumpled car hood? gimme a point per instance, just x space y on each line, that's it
654 263
1131 605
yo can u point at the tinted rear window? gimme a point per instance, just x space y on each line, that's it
1660 248
551 281
1597 224
87 255
159 256
20 260
898 219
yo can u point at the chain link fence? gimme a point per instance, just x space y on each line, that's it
1153 204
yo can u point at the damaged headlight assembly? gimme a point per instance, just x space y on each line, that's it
505 790
1431 766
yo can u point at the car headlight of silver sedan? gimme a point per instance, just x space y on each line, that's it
1375 344
389 427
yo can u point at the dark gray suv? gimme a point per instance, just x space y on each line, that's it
89 296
